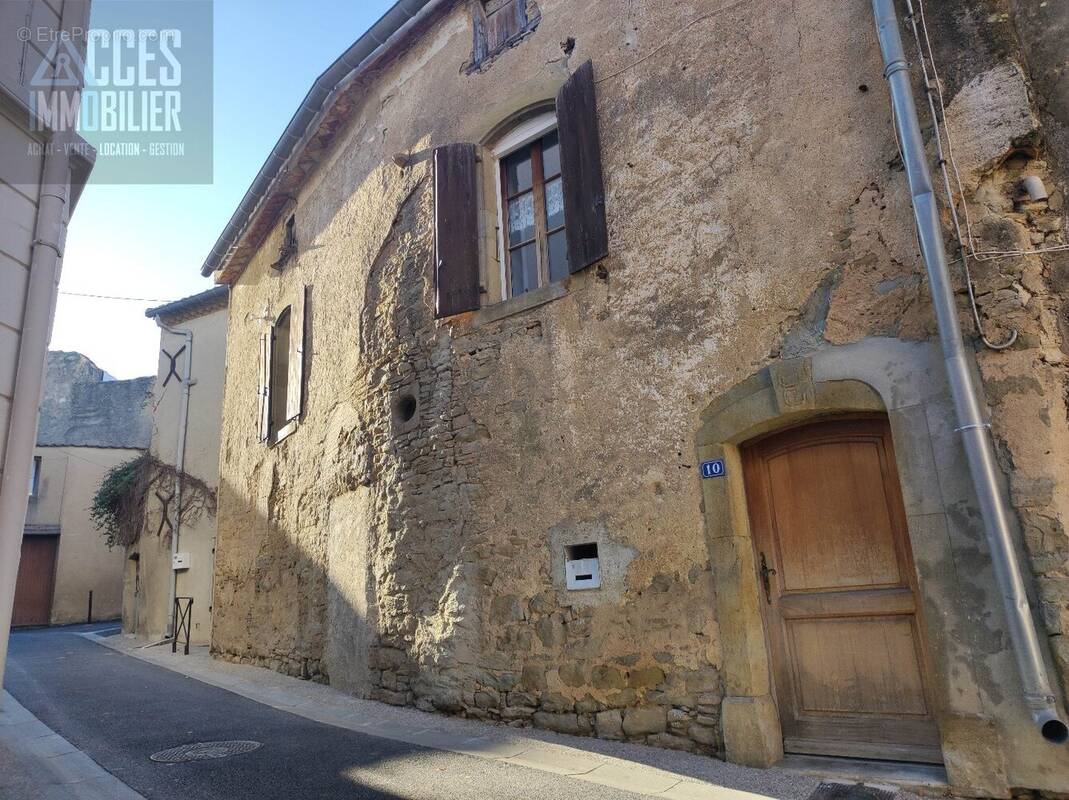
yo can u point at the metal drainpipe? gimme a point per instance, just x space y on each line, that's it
975 432
179 465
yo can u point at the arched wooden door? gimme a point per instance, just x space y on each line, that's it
838 592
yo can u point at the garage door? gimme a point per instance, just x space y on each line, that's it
37 574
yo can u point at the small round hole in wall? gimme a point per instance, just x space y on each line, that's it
863 87
405 408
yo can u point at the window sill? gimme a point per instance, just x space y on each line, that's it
517 305
284 431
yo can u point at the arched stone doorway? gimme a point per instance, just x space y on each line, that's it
903 381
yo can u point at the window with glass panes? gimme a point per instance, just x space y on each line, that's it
536 252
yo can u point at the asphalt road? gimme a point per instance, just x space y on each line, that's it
119 710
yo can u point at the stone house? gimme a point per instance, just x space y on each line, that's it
583 373
174 557
88 424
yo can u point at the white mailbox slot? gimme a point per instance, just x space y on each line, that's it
582 569
180 561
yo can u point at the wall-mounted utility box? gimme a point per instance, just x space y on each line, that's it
180 561
582 570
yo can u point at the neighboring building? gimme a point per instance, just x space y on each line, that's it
193 346
39 189
469 392
88 426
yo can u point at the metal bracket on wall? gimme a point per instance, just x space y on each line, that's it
173 371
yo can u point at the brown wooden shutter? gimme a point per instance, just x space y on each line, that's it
456 230
264 392
295 379
580 156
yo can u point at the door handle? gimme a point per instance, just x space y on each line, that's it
765 582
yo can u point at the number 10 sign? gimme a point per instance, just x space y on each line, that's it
713 469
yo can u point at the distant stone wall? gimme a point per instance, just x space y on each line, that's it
79 408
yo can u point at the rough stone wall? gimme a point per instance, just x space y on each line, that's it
755 208
80 407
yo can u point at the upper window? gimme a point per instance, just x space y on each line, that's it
534 248
288 249
282 375
499 24
544 177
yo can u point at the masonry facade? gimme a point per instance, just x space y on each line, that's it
396 516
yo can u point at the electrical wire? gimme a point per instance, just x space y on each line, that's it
672 37
114 297
966 241
982 255
932 88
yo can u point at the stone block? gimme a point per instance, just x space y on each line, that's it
752 733
703 681
703 734
609 724
643 721
516 712
622 699
561 723
572 674
555 702
532 677
445 698
742 638
505 609
605 676
645 676
588 705
522 699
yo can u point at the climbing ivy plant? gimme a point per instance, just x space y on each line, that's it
120 504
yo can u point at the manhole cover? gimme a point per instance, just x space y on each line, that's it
201 751
847 791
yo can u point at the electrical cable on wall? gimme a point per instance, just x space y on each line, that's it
966 241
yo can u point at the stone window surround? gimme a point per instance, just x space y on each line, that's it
905 382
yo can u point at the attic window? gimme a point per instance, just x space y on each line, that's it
498 25
289 244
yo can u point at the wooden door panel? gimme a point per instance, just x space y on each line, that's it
858 665
835 491
840 605
892 600
36 577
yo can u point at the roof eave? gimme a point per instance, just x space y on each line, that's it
231 252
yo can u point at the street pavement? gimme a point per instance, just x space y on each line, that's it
119 710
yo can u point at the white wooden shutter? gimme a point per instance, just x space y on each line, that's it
265 386
295 379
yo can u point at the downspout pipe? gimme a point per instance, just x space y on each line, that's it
974 429
179 463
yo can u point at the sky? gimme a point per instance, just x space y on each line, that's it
150 241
